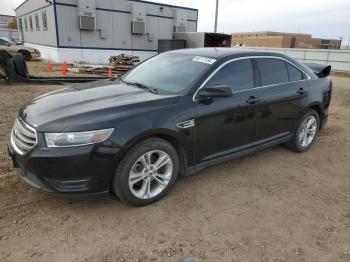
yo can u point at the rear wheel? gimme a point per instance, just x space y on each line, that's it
26 55
3 73
146 173
306 132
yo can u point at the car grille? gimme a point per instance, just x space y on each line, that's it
23 137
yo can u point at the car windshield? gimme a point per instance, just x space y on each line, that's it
169 72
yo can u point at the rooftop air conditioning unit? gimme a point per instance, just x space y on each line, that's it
87 22
87 14
180 28
138 27
138 19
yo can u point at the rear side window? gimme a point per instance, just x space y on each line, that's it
273 71
238 75
294 73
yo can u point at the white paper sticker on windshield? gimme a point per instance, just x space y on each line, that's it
203 59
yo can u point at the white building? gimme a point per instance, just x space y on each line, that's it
93 30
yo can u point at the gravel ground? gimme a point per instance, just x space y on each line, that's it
273 206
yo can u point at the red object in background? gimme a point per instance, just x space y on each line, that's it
64 69
110 74
49 67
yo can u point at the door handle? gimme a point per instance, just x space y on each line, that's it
252 100
301 91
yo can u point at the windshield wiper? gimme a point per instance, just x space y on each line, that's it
151 89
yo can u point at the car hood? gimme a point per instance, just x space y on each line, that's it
82 106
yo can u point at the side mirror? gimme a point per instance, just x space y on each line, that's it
218 91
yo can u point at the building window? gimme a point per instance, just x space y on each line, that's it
20 24
43 13
31 23
3 21
37 26
25 24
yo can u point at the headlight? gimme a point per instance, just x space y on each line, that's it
77 138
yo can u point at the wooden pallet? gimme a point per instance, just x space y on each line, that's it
104 71
123 60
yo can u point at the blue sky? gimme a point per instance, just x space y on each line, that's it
321 18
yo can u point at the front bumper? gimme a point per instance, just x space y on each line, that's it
73 172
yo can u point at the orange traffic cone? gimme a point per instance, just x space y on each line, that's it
110 74
49 67
64 69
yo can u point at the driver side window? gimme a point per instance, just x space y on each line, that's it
238 75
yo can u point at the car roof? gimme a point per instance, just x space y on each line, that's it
219 52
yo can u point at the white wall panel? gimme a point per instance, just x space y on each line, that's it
113 17
92 56
338 59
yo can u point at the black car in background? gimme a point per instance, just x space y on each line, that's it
175 113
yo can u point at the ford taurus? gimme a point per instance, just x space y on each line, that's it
175 113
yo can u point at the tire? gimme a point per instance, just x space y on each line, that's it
20 65
3 73
136 167
26 55
298 144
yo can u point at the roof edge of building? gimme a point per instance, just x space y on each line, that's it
8 15
273 33
141 1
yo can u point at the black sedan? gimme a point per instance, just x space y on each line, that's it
175 113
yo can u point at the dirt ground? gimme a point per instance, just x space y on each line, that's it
273 206
39 67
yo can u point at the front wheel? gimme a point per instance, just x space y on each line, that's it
146 173
306 132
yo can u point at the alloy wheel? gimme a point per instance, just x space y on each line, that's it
308 131
150 174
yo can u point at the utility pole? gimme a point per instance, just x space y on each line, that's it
216 16
341 41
